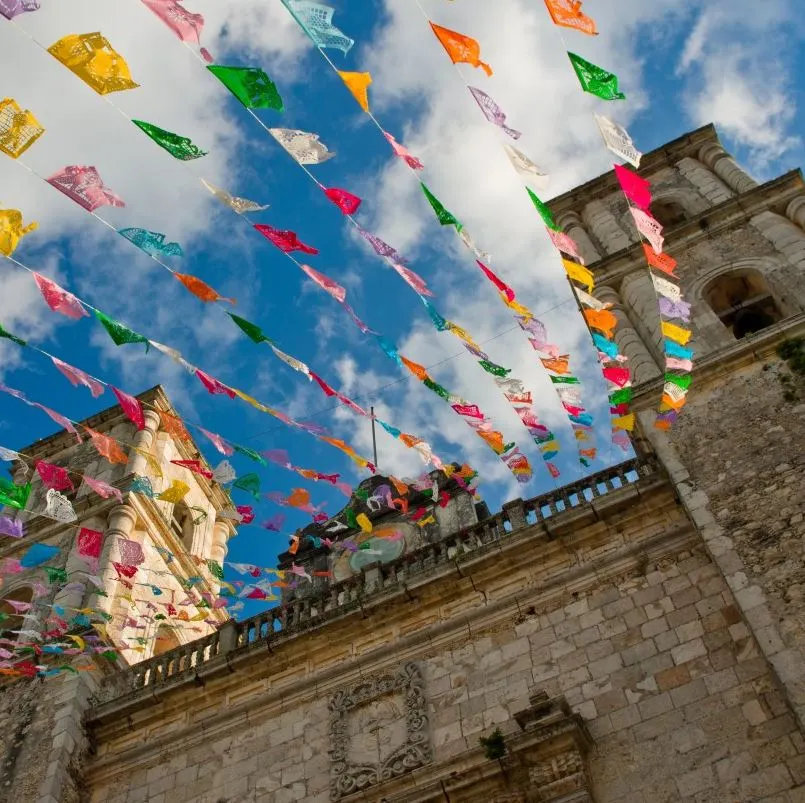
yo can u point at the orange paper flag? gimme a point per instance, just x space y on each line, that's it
603 320
460 48
567 13
201 289
664 262
299 497
559 365
415 368
358 84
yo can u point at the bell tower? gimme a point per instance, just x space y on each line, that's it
175 545
736 452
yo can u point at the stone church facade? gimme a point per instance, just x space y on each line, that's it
636 637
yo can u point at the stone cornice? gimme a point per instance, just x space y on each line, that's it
725 362
687 145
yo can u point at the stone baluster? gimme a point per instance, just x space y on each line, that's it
643 366
573 226
515 513
713 156
143 439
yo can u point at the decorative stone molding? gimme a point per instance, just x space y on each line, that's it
390 709
713 156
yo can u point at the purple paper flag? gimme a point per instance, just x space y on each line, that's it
493 112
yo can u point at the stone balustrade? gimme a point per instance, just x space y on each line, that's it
337 599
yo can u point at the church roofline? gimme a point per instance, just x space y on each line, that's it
685 145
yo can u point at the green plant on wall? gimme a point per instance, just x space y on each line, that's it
494 745
793 352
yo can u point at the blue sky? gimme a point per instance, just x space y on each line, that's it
680 66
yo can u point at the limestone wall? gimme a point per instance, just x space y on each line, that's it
620 610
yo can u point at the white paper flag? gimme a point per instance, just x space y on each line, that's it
303 146
239 205
58 507
617 139
522 164
650 228
665 288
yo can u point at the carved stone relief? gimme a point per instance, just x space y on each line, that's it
379 730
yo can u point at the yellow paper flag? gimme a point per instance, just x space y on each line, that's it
580 274
676 333
363 522
625 422
175 493
19 129
358 84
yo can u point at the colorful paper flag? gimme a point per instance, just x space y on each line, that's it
179 147
596 80
358 84
460 48
315 20
83 184
250 85
19 129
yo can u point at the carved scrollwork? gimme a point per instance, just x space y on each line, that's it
406 746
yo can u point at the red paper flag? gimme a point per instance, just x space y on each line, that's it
213 385
286 241
345 201
131 407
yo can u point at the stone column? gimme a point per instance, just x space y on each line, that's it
705 181
143 439
642 307
221 531
572 226
795 211
74 598
642 365
713 156
605 227
119 524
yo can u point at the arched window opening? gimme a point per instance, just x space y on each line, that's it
182 524
165 640
14 618
669 213
743 302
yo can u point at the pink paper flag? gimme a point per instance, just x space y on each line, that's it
131 407
345 201
564 243
499 283
680 365
618 376
89 543
218 442
414 280
84 185
54 477
214 385
63 422
326 284
635 188
103 489
403 153
58 299
286 241
131 553
19 607
650 228
381 247
77 377
184 24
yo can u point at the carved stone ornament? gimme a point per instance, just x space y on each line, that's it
379 730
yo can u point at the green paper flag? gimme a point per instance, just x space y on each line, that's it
12 338
120 334
564 380
623 396
361 493
493 368
251 330
683 382
249 483
178 147
351 519
445 218
55 575
250 85
250 453
595 80
437 389
543 210
14 495
215 569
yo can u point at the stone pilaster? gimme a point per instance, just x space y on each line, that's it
643 366
572 225
605 227
705 181
143 440
714 157
640 302
795 211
